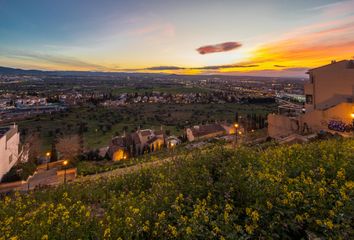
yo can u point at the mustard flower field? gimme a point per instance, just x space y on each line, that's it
283 192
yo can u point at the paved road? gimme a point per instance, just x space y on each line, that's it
41 178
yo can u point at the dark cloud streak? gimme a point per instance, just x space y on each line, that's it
221 47
216 67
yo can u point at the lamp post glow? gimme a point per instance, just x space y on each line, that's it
235 138
65 163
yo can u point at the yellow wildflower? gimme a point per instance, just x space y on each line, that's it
341 174
172 230
255 216
107 233
162 215
216 229
249 229
248 211
328 223
44 237
269 205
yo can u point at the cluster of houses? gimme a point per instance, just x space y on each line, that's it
138 143
179 98
147 140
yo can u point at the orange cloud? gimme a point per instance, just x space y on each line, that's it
308 47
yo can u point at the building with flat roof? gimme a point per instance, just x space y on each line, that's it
330 85
329 104
9 148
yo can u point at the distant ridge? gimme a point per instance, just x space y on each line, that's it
7 70
18 71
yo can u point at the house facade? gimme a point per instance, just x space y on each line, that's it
329 104
9 148
147 140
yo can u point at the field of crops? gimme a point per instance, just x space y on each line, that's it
279 193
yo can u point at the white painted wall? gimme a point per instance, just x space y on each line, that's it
9 152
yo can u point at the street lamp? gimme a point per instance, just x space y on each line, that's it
235 138
65 163
47 157
352 116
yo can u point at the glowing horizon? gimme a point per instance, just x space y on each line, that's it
223 37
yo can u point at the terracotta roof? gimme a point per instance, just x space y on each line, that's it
145 133
207 129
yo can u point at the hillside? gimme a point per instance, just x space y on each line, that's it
281 193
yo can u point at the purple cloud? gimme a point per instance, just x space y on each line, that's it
221 47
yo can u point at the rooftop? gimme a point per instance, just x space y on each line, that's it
202 130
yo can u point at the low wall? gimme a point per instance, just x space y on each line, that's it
50 165
12 185
280 126
69 171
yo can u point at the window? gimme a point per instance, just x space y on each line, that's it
308 99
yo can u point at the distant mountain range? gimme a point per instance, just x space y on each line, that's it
18 71
7 70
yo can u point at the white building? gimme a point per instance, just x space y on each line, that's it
9 148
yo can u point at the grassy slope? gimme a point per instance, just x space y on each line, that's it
283 192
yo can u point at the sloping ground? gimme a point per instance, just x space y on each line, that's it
281 193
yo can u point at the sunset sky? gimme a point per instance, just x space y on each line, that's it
265 37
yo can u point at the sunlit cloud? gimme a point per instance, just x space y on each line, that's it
221 47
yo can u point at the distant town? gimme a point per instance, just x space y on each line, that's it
53 116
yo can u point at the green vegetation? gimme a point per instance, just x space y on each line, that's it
91 167
86 167
101 124
19 172
173 89
287 192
